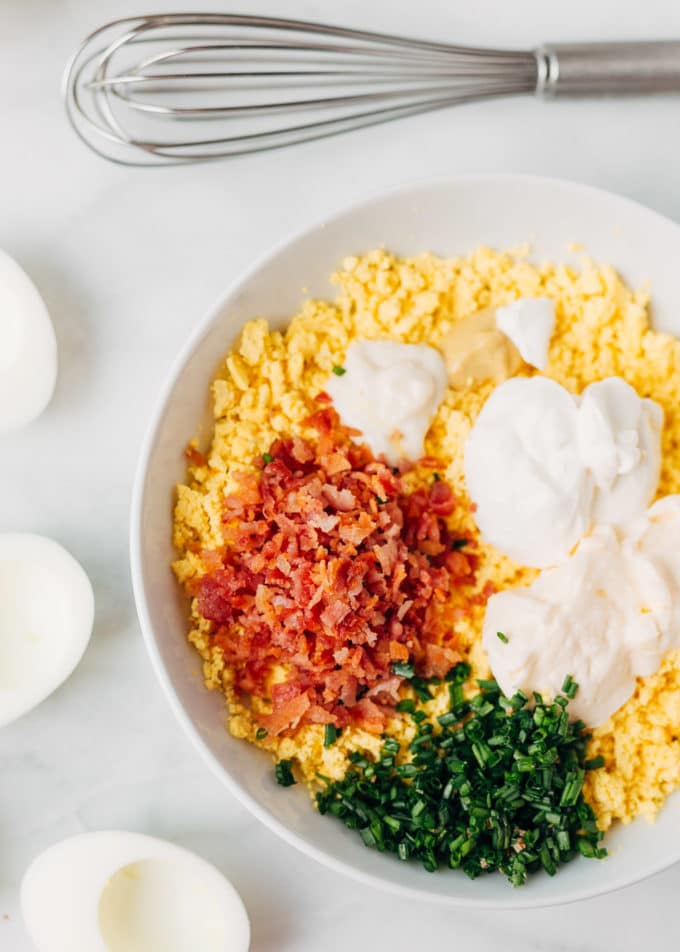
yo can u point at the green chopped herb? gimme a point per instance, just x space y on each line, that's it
339 371
260 733
502 637
420 686
595 763
459 543
284 773
267 457
493 785
459 673
380 500
569 687
330 735
404 669
407 706
436 478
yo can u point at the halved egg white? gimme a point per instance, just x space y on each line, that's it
46 618
124 892
28 356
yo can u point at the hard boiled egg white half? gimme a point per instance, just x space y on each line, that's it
124 892
28 353
46 617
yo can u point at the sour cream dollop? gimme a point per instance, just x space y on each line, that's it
606 615
28 355
619 441
543 466
529 323
390 392
533 494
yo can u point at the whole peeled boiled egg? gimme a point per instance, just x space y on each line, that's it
124 892
46 618
28 355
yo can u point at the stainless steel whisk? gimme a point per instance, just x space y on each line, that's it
179 88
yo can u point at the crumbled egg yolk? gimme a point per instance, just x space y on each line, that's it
266 389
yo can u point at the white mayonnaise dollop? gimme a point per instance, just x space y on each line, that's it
46 617
619 441
390 392
28 354
532 492
529 323
124 892
605 616
543 466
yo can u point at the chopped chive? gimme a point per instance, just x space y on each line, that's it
455 695
490 784
339 371
421 688
380 500
459 673
502 637
407 706
459 543
260 733
267 457
569 687
330 735
404 669
563 840
594 763
436 478
284 773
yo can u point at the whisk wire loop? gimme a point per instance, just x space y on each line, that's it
247 75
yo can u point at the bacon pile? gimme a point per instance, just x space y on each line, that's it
333 571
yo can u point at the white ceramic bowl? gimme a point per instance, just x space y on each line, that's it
448 217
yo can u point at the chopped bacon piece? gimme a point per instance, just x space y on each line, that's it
398 651
369 716
288 716
195 457
439 660
332 571
442 500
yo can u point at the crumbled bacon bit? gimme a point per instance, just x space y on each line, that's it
333 571
195 457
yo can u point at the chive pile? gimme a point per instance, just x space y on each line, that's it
495 785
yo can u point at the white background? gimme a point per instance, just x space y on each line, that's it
127 260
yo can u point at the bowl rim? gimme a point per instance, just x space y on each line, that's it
135 527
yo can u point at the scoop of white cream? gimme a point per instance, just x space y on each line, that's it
28 355
529 323
532 492
543 466
619 441
46 616
123 892
606 615
390 392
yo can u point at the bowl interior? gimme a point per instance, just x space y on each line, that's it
449 218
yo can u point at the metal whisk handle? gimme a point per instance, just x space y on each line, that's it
584 69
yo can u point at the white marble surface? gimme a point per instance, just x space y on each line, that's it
127 260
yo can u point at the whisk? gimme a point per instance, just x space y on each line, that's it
176 88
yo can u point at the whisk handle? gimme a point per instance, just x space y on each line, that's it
586 69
